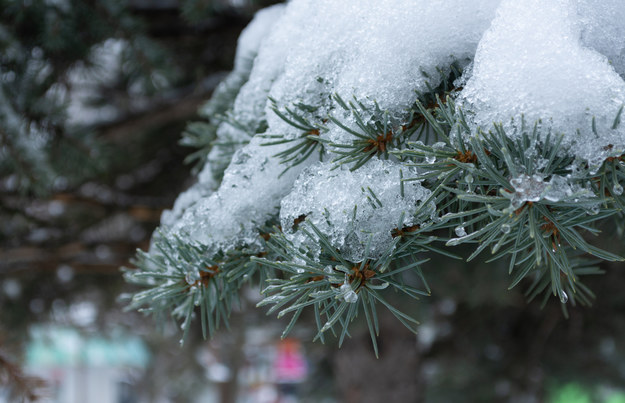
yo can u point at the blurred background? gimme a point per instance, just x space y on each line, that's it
94 96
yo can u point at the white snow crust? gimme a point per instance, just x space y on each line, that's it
602 26
382 50
248 196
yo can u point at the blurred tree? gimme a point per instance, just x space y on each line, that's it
93 97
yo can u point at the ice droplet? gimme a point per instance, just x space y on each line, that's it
594 210
348 294
564 297
430 159
300 270
617 189
505 228
460 231
468 179
192 277
351 297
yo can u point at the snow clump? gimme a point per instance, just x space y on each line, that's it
352 208
532 64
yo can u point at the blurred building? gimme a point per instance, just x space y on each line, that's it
85 369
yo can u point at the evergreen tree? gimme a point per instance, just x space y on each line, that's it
93 96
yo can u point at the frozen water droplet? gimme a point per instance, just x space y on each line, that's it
594 210
505 228
192 277
460 231
328 269
430 159
300 271
617 189
564 297
348 294
439 145
351 297
468 178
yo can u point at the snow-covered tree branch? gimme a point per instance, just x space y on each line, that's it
356 139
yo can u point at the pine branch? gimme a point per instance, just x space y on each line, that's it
376 134
181 277
518 193
334 287
524 199
303 119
